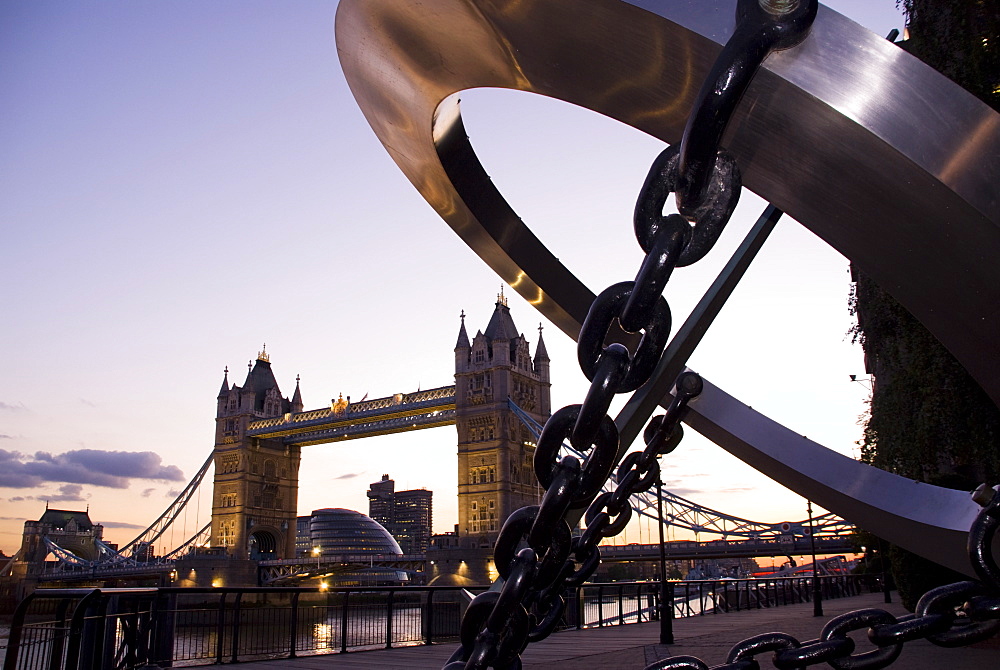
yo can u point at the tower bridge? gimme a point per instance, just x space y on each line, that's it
344 420
260 433
499 401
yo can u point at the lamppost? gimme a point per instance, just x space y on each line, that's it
666 589
817 591
885 573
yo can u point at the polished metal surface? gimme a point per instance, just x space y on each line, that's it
931 521
889 162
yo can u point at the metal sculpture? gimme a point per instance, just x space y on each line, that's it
403 65
877 122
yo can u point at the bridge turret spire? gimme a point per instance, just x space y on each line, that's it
541 354
463 335
297 405
225 383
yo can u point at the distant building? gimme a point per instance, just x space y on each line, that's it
380 501
496 450
303 538
71 530
256 479
407 515
413 516
344 532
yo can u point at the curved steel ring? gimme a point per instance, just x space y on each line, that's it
899 174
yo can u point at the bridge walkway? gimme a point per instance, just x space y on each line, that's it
633 646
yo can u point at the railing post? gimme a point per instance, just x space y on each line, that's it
579 607
343 622
59 636
293 625
600 607
236 628
430 616
220 628
76 628
165 607
16 629
701 598
621 606
97 643
388 621
666 612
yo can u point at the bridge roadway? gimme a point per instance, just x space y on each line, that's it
682 549
294 569
349 421
635 645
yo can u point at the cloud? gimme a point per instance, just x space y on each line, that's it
19 407
67 493
6 437
350 475
121 524
113 469
683 492
147 492
172 493
88 403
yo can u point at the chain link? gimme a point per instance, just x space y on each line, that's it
952 615
536 554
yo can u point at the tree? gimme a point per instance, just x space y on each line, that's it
928 419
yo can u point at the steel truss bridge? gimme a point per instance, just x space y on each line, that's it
716 549
292 570
394 414
285 572
414 411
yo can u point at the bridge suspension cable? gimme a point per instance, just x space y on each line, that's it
199 539
158 527
683 513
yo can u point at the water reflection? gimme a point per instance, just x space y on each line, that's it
323 636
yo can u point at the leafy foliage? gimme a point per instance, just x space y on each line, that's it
928 419
961 40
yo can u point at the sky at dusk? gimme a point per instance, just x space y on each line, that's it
182 182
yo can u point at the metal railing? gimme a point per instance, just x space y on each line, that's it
129 628
724 596
619 603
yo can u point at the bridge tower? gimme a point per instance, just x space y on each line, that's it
495 450
256 479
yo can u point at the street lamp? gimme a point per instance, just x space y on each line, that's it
885 573
666 590
817 591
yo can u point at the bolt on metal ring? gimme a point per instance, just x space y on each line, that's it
779 7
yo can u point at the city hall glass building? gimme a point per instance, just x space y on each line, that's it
344 532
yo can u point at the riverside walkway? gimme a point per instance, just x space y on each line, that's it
634 646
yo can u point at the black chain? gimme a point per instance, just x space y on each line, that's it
953 615
535 553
